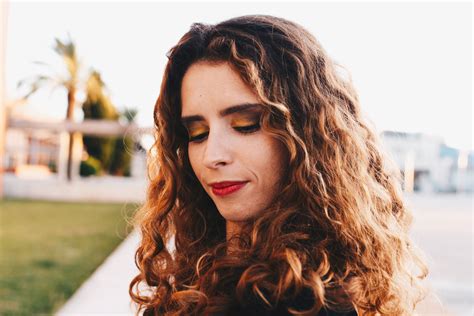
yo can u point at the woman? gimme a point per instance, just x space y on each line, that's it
271 184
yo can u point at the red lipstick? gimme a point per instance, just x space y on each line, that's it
227 187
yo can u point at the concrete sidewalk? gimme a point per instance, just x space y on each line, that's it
106 291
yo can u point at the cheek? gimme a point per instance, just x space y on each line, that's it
270 157
277 163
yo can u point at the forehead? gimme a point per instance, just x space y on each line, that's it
208 87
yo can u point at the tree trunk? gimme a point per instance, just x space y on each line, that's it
70 117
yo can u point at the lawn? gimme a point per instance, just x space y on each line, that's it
47 249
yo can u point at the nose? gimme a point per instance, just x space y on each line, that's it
217 152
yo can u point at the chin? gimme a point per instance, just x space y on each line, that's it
237 216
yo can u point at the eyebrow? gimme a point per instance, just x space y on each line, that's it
244 107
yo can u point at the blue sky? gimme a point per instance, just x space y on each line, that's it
410 62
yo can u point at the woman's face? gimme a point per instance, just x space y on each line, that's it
239 165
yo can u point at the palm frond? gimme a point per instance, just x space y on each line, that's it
67 51
130 114
34 83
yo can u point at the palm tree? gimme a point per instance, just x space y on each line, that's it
69 81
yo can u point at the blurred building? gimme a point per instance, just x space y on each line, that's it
35 161
436 166
37 147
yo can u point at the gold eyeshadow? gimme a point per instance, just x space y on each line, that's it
194 130
244 121
239 120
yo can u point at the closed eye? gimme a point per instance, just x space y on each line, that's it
241 129
247 129
198 138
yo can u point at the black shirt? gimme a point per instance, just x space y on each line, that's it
303 302
282 311
256 308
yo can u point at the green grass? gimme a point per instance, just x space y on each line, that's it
48 249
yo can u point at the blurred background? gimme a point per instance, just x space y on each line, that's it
78 84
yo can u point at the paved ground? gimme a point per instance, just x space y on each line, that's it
106 291
443 229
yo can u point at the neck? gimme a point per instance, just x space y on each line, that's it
232 228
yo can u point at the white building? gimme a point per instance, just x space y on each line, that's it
436 167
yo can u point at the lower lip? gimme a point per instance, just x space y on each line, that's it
228 190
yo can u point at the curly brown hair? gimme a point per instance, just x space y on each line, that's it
338 229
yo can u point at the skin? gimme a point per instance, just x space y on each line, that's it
230 147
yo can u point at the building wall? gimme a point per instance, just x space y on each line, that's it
435 168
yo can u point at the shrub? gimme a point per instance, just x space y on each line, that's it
90 166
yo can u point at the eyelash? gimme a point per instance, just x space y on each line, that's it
242 129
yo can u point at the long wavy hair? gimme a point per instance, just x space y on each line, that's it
338 230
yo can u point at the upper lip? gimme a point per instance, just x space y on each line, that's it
223 184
